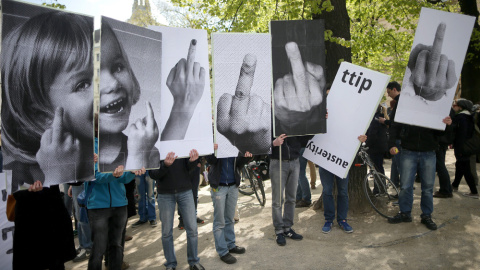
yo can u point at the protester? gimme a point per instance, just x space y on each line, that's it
146 201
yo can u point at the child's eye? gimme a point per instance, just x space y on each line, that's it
119 67
82 86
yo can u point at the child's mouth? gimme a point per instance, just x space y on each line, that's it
114 107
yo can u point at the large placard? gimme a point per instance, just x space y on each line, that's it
352 101
298 58
434 67
130 83
186 105
47 94
242 75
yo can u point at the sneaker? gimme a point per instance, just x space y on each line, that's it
82 255
153 223
427 220
302 203
345 227
293 235
400 217
200 221
180 225
281 239
197 266
471 195
228 259
138 223
439 194
327 227
170 268
237 250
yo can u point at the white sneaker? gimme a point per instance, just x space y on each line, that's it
471 195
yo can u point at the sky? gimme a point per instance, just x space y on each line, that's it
116 9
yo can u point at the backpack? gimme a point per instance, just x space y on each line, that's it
472 145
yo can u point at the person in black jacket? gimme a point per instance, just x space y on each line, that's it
224 178
463 131
417 157
174 186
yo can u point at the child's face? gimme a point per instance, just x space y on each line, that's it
72 90
116 87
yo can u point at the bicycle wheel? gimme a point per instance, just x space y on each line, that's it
257 185
381 193
245 185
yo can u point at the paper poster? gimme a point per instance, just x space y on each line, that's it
130 84
7 227
242 75
352 102
434 67
47 94
186 105
298 59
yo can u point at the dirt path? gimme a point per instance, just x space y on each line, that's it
374 244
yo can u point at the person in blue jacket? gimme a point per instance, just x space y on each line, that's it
107 214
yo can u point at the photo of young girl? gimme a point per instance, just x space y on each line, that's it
47 94
130 69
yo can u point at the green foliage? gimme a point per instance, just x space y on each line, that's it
54 4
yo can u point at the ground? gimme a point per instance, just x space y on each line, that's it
374 244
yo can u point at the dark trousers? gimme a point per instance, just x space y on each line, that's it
462 168
107 226
442 172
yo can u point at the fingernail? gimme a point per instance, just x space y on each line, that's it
194 42
291 46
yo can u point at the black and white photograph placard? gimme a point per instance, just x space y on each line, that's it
242 76
186 106
298 59
130 83
352 101
434 67
47 94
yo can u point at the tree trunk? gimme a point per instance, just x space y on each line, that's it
470 81
358 202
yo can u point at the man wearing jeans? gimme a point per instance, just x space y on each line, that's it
224 178
174 186
304 195
84 234
417 157
287 184
146 201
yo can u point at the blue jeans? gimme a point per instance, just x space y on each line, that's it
327 178
288 184
395 170
107 226
146 200
303 189
84 233
224 202
423 164
167 203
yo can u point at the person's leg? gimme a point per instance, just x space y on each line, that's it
458 174
84 233
67 200
313 174
426 171
187 206
278 186
219 201
303 188
98 220
469 178
473 168
327 179
408 168
142 199
150 194
395 169
230 205
166 213
442 172
377 159
116 228
290 193
342 198
195 183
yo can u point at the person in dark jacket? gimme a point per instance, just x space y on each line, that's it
174 186
224 178
417 157
463 131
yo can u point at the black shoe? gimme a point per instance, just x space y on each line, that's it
302 203
228 259
400 217
170 268
293 235
427 220
237 250
180 225
153 223
138 223
200 221
281 239
197 266
439 194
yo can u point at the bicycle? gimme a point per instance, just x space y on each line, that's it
379 189
252 172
